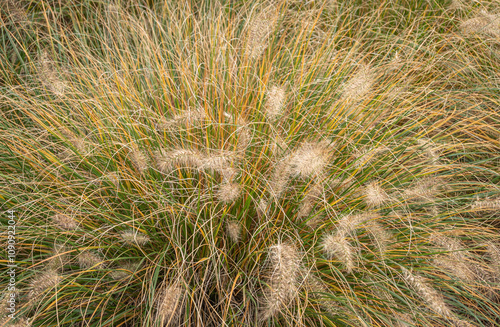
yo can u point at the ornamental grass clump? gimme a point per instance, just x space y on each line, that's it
250 163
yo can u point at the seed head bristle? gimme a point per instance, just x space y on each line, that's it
337 245
359 85
234 230
375 195
310 159
365 156
138 159
125 270
458 268
88 259
64 221
307 203
380 235
260 28
134 237
349 223
244 134
169 304
487 204
285 271
262 207
424 190
166 161
43 282
279 179
275 102
485 23
433 298
229 192
48 75
20 322
494 253
59 257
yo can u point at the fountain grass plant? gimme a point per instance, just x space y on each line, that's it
246 163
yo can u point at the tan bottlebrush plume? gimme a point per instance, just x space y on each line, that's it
218 161
431 296
125 270
166 161
138 158
88 259
283 281
494 253
64 221
82 146
275 102
59 258
458 268
485 23
279 179
487 204
380 235
19 322
43 282
277 145
259 29
309 200
375 195
244 134
311 159
229 192
365 156
423 190
349 223
15 12
262 207
234 230
456 4
131 236
337 245
450 244
169 303
189 117
358 86
49 76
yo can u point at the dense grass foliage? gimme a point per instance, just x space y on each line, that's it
248 163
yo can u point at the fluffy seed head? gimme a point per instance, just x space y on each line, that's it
424 189
169 303
460 269
88 259
262 207
375 195
229 192
487 204
42 282
485 23
359 85
336 245
64 221
307 203
59 257
166 161
285 271
433 298
48 75
259 30
134 237
279 179
234 230
138 159
349 223
380 235
494 253
310 159
125 270
275 102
